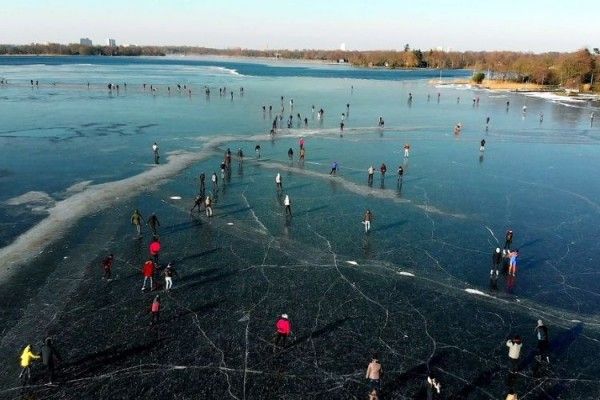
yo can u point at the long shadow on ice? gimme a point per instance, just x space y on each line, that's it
91 363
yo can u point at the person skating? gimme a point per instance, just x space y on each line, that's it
512 265
107 264
301 142
155 310
496 261
380 123
136 219
302 154
370 173
154 248
49 358
27 356
169 273
154 223
383 170
373 375
208 206
283 331
215 182
406 150
257 150
202 184
433 387
288 205
148 272
291 154
508 238
278 184
155 151
334 167
541 332
482 145
240 155
368 218
514 352
198 202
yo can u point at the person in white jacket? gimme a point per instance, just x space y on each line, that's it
514 352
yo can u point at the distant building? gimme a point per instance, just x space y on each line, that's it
111 42
343 47
85 42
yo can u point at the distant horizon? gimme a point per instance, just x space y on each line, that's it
534 26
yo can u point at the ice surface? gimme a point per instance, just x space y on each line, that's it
416 289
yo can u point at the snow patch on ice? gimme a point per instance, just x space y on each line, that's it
404 273
477 292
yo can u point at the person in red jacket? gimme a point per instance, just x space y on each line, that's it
107 266
148 272
155 248
284 330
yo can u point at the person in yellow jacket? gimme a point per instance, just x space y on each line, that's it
26 357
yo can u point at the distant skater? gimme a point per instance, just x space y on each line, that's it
169 272
514 352
487 121
496 262
302 154
50 356
334 167
27 356
383 170
541 332
406 150
368 218
370 173
508 238
155 151
154 223
373 374
136 219
240 155
592 119
291 154
208 206
257 150
278 184
512 264
107 264
155 310
202 184
380 123
283 330
482 145
215 182
148 272
433 387
198 203
288 205
400 173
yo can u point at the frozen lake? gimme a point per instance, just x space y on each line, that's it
76 160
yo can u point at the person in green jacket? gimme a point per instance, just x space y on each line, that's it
137 219
27 356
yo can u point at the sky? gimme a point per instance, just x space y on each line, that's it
523 25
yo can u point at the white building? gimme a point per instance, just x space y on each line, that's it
343 47
85 42
111 42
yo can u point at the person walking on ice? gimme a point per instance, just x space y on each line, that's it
288 205
406 150
27 356
368 218
148 272
136 219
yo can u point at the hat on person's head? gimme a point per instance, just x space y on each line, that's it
540 323
497 249
285 316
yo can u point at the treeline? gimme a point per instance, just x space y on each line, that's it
80 50
574 69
